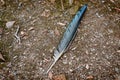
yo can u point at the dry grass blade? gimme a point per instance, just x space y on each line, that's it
1 57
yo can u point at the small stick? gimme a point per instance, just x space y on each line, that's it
117 9
62 5
16 35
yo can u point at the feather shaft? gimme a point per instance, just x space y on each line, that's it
68 35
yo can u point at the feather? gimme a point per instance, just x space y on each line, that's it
68 35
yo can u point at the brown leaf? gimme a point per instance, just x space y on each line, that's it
57 32
59 77
1 57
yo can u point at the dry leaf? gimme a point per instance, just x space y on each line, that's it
57 32
59 77
50 75
10 24
52 1
46 13
1 57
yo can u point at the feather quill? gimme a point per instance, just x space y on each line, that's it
68 35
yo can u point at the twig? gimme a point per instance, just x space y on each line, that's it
117 9
62 5
16 35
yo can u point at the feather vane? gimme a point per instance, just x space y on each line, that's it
68 35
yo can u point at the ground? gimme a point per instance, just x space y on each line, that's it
95 51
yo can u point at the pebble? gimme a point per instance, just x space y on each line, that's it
10 24
61 24
118 51
116 69
90 78
31 28
98 15
74 48
87 66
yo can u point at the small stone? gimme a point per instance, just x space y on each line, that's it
61 24
90 77
97 14
31 28
74 48
103 1
50 75
87 66
116 69
10 24
118 51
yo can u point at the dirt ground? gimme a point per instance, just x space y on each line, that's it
95 52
